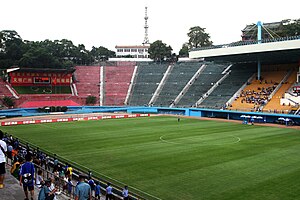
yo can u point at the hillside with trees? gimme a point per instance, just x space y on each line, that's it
14 51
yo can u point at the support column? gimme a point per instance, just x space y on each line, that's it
258 42
258 69
259 32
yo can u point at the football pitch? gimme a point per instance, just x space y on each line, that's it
161 158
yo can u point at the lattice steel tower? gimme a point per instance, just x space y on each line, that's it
146 39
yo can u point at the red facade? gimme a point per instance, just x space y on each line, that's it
40 78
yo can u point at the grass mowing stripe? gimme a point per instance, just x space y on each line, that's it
130 150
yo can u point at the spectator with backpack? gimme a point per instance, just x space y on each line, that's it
27 176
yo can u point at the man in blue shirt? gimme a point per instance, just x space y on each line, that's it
82 189
3 149
125 193
27 176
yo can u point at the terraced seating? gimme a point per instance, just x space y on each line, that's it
257 93
210 75
274 104
88 81
148 77
239 75
178 78
117 81
4 91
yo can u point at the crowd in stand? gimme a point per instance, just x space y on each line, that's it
30 166
257 97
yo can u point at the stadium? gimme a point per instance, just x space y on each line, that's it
221 124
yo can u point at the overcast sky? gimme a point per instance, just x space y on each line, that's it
119 22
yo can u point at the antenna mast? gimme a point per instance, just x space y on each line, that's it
146 39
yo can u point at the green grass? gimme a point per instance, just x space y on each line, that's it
193 159
43 89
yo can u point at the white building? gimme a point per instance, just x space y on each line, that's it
138 51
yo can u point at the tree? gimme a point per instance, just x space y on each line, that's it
91 100
159 51
11 45
291 29
101 53
184 51
198 37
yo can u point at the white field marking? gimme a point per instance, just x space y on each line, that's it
166 141
119 182
42 124
170 142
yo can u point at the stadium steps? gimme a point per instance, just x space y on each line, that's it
117 81
88 81
274 103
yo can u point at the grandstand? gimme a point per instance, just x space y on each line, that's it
178 78
182 84
238 76
146 81
206 79
117 82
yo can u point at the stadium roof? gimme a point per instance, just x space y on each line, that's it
283 50
56 70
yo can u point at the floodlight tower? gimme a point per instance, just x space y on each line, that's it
146 39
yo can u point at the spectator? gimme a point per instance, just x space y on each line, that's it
27 176
14 154
55 162
39 181
69 187
97 190
69 171
9 150
15 169
46 192
109 192
53 188
82 189
3 149
125 193
92 185
47 162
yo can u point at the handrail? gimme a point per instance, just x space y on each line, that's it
77 169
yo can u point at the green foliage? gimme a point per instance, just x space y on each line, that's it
198 37
8 101
102 53
91 100
159 51
184 51
198 158
291 29
46 54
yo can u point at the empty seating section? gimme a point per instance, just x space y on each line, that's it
88 81
238 76
4 91
274 104
208 77
178 78
117 81
256 94
148 77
